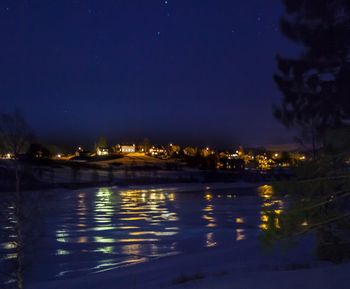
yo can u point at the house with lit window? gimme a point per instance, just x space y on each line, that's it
127 148
157 150
100 151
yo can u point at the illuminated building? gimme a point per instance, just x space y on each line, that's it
128 148
102 151
231 164
157 150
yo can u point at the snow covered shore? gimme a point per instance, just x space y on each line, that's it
242 266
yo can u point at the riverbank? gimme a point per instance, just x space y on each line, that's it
90 179
36 175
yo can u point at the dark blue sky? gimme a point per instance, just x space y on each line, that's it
188 71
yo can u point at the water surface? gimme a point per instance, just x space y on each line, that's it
94 230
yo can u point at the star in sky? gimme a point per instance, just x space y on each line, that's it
204 49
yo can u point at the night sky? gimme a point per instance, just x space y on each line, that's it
185 71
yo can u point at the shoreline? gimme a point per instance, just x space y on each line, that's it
136 183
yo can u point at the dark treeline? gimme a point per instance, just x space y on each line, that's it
316 101
316 85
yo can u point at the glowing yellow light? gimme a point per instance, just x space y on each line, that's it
134 219
171 197
141 233
208 197
208 218
266 191
239 220
264 218
208 208
83 240
263 226
277 223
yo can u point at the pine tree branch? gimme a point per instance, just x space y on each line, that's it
331 220
334 197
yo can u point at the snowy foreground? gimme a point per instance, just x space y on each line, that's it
237 267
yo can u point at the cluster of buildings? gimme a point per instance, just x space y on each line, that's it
152 150
238 159
203 157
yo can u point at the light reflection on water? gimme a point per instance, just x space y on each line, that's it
94 231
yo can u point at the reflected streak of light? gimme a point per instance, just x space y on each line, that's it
172 228
263 226
266 191
132 249
126 240
169 216
105 250
103 220
135 219
208 208
153 233
61 252
277 223
83 240
240 234
210 240
11 256
61 234
128 227
264 218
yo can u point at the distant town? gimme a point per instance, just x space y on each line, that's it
237 159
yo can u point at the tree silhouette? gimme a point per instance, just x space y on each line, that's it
316 90
315 85
15 136
101 143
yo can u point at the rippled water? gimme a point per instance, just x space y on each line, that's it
89 231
